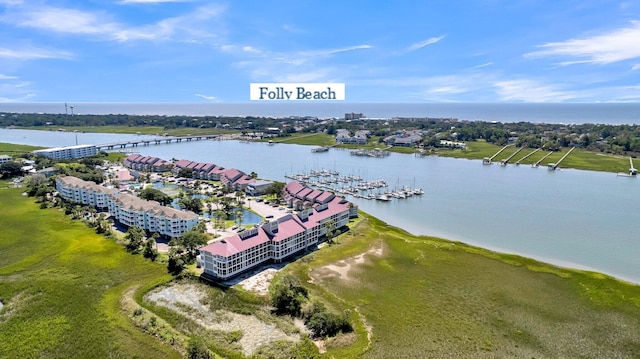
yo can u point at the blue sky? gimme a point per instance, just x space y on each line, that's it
384 51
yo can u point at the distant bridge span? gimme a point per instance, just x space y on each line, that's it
153 141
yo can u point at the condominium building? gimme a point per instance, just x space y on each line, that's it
276 240
128 209
70 152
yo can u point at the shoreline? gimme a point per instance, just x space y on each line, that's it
496 249
489 250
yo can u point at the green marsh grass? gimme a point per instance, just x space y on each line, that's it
62 285
427 297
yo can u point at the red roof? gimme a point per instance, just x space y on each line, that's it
287 229
232 245
325 196
294 187
182 163
303 193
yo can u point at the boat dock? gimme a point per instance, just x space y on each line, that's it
535 165
526 156
488 160
354 186
154 141
553 166
632 170
506 160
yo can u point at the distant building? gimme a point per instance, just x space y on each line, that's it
5 159
359 137
70 152
353 116
146 163
258 187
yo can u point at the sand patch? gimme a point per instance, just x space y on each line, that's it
343 268
259 282
186 299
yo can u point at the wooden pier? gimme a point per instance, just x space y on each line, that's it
153 141
488 160
553 166
535 165
526 156
506 160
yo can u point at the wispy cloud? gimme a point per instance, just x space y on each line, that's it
12 89
635 67
210 98
10 2
532 91
102 25
613 46
482 65
34 54
427 42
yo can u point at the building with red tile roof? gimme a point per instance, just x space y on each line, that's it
277 240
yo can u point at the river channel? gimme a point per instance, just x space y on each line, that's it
573 218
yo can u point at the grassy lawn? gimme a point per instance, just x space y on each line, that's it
61 285
143 130
11 148
426 297
579 158
309 139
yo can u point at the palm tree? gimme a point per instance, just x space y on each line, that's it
239 218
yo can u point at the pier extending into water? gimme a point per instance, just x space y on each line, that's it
488 160
542 159
506 160
154 141
553 166
526 156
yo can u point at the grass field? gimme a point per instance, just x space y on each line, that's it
425 297
12 149
310 139
61 286
579 158
143 130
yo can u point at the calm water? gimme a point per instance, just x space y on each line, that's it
611 113
574 218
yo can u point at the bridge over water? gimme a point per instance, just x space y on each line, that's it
154 141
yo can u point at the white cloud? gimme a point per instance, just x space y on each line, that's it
532 91
99 24
482 65
427 42
33 54
210 98
614 46
635 67
7 77
10 2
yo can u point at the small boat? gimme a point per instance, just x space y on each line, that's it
270 143
383 198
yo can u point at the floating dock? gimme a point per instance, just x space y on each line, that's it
488 160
